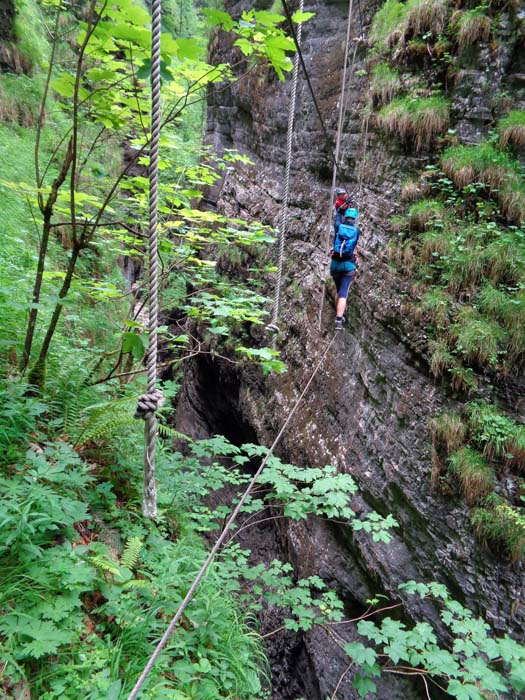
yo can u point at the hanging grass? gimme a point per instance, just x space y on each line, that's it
437 244
498 523
415 120
478 339
441 358
413 190
475 476
512 129
495 169
385 83
424 16
421 213
436 304
490 429
504 259
463 379
449 431
388 25
471 26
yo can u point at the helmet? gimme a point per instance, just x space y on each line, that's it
351 213
340 190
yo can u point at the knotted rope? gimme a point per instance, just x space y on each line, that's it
148 403
283 214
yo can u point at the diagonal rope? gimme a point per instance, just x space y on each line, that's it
149 500
283 214
189 595
325 246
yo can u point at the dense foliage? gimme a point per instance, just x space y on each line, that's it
88 586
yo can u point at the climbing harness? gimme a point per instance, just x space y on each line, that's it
148 403
231 520
283 214
325 246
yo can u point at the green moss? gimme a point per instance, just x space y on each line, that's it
475 476
415 120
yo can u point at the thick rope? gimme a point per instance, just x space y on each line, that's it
189 595
325 247
283 214
149 496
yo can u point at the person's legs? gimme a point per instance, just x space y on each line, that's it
343 285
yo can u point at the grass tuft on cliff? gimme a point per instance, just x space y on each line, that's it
415 120
385 83
498 523
471 26
498 171
512 129
475 475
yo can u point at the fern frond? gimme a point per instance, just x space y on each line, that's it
169 432
108 418
130 554
105 564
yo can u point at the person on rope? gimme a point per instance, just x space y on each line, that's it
342 203
344 260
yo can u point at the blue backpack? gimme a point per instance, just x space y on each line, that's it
345 242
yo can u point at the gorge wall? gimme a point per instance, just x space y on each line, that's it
369 408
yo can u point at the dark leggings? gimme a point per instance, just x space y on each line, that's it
343 280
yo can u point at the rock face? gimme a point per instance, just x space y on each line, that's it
370 404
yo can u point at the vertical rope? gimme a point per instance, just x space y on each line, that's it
283 214
342 108
149 502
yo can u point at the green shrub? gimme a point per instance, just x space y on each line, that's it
415 120
512 128
385 83
473 473
478 339
498 523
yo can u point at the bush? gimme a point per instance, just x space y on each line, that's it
474 474
415 119
512 129
499 523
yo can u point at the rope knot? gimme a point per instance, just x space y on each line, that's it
148 403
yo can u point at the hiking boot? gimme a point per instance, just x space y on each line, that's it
338 323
